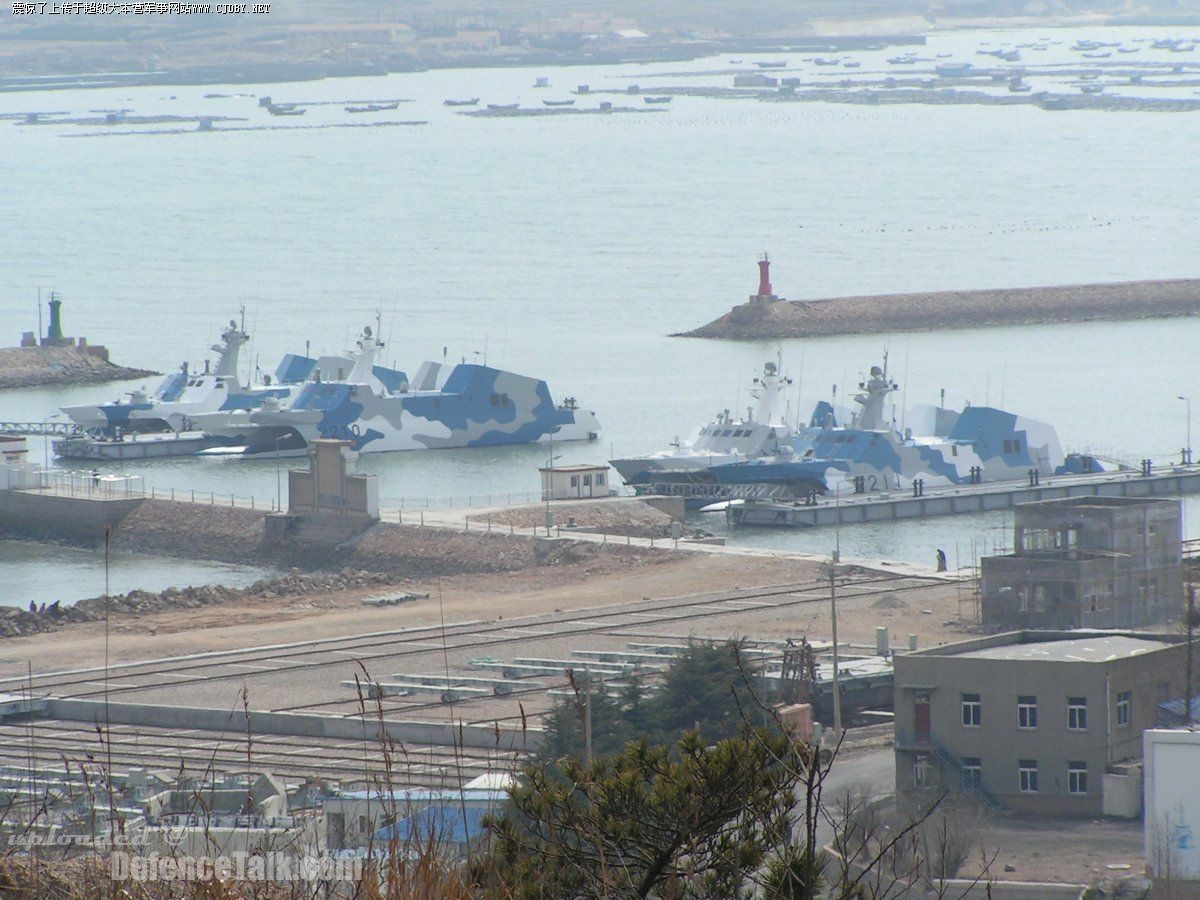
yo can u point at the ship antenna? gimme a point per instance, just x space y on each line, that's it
800 389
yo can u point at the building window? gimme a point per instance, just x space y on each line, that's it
922 771
972 772
1124 701
1023 599
1027 776
972 711
587 480
1039 598
1077 778
1077 713
1027 712
599 478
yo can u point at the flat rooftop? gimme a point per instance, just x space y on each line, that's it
1097 648
1098 501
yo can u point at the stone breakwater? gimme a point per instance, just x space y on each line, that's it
236 535
17 622
34 366
954 309
632 518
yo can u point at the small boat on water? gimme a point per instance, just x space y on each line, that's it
501 107
772 65
658 99
851 64
1105 55
472 102
559 102
1128 49
1092 88
286 109
373 107
1017 86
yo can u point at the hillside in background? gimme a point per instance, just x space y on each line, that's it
363 35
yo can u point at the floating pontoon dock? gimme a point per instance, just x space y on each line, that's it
853 509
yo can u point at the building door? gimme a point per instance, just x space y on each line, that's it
923 720
587 485
335 831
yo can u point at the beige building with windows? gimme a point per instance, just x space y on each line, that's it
1037 721
574 482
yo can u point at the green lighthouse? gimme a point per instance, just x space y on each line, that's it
55 334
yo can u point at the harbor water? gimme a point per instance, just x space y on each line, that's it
43 573
570 247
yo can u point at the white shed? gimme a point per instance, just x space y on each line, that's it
574 482
1172 819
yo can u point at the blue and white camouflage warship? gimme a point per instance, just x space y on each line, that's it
465 405
182 396
686 468
942 447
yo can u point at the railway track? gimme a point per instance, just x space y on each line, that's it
416 641
49 743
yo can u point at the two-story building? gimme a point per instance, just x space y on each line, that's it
1038 721
1087 562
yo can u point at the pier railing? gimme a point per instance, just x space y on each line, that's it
511 498
91 484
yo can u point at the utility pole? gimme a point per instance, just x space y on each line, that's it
837 691
549 484
1191 625
587 717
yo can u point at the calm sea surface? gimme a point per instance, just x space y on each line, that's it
570 247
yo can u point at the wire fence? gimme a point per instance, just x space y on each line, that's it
511 498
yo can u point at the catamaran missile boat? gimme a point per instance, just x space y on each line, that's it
724 461
182 395
466 405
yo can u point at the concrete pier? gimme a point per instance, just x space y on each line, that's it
60 512
975 498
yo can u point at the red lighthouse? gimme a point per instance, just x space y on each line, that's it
765 293
764 276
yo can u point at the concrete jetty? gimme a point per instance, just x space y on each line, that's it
763 319
975 498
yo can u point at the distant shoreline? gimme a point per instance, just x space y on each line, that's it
76 60
758 320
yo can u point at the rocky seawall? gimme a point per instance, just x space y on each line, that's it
631 517
34 366
238 535
954 309
17 622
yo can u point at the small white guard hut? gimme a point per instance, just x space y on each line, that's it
574 482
